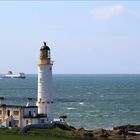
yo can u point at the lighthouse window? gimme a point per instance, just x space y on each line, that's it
48 54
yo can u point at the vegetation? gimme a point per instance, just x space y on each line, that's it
65 133
36 134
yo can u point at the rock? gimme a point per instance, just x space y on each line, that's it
85 134
88 134
80 131
101 133
120 131
128 127
65 126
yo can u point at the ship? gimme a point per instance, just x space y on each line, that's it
10 74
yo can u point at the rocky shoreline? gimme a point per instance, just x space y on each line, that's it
125 132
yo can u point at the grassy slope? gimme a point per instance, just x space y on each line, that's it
12 137
36 134
55 134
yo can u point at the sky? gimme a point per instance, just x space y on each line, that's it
85 37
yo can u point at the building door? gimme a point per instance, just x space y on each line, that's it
10 124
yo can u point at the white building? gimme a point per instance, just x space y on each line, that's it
20 116
45 100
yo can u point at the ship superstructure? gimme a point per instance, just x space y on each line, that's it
10 74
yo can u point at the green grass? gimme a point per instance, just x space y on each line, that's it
16 137
36 134
44 134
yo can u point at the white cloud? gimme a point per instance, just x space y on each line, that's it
107 12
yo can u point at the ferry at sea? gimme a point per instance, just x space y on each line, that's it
10 74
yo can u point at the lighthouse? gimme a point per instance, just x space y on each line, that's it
45 100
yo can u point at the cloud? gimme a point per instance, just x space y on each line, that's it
107 12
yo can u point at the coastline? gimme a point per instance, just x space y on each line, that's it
67 132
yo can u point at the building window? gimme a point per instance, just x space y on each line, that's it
16 113
30 113
8 113
16 123
27 122
42 121
0 112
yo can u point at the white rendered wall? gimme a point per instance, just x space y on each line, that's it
26 111
30 121
45 90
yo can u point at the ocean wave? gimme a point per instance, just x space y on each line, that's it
81 103
102 96
71 108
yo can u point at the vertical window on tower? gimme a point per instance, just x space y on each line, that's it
48 54
40 79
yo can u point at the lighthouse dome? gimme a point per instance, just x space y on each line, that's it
45 47
45 52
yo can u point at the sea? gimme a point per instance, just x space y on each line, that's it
89 101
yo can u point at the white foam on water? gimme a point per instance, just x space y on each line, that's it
102 96
89 93
71 108
81 103
109 128
106 115
134 132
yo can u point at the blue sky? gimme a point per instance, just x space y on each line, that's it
85 37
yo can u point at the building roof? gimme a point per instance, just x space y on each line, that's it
37 116
17 106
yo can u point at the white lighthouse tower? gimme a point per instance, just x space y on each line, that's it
45 100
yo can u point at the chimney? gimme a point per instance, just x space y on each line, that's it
28 102
1 99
